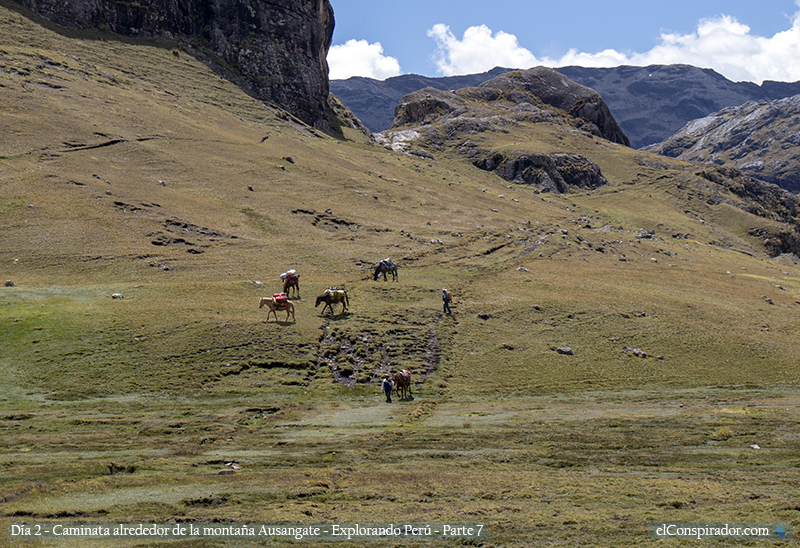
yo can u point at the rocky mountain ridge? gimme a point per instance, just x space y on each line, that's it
274 50
649 103
759 138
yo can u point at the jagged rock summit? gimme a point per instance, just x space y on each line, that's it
521 94
557 90
277 50
432 120
759 138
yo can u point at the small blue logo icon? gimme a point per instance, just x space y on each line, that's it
779 531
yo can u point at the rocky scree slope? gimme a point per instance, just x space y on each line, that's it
274 50
761 139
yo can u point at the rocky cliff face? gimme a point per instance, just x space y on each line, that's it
276 48
761 139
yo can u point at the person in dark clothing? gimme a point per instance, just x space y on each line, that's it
446 298
388 386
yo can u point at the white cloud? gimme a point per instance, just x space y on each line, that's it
478 51
721 43
360 58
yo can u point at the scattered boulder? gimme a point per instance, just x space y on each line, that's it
638 352
117 296
643 234
565 350
9 283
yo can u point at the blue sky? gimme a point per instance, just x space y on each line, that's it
743 40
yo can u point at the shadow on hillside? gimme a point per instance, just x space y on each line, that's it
85 34
336 317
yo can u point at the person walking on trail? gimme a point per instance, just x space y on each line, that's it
387 385
446 298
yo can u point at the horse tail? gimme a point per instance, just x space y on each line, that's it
377 273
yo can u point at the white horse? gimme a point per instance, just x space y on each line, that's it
274 307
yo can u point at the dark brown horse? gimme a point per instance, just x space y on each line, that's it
331 297
402 384
292 281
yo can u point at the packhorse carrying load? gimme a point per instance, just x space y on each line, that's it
385 266
333 295
278 301
291 279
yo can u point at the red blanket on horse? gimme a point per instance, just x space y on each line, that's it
280 298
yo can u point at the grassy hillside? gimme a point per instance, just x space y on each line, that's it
128 167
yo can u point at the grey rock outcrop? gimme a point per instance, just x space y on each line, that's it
277 48
555 89
524 92
431 120
766 200
547 172
761 139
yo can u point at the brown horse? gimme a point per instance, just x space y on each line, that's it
274 307
331 297
292 281
402 384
